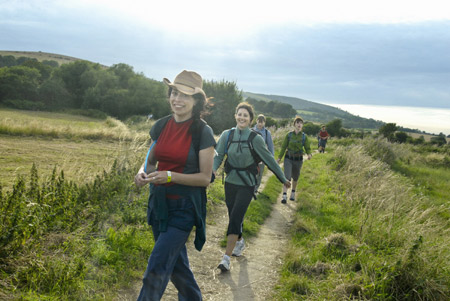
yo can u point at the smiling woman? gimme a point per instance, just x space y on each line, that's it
244 149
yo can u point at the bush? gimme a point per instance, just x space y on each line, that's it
24 104
97 114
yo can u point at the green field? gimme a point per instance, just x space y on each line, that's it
80 160
372 221
81 146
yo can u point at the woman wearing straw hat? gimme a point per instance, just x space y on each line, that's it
183 152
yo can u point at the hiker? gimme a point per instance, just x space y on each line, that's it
265 133
323 138
294 145
183 152
244 149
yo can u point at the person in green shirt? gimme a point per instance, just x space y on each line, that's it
241 145
294 145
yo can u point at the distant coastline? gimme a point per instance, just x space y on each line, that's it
431 120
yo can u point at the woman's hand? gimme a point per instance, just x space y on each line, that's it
141 179
287 184
158 177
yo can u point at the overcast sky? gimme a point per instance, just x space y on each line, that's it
344 52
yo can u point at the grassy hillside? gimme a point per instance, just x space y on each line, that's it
363 231
372 221
43 56
317 112
77 231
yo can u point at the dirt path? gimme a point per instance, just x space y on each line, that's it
253 275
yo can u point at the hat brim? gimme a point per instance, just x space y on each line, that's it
185 89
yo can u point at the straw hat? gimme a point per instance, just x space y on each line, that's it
187 82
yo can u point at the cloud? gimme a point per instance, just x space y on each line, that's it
317 50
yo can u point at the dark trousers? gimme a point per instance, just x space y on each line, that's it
238 199
169 259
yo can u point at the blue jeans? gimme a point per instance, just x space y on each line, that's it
169 259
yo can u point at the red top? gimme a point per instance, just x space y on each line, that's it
323 134
173 146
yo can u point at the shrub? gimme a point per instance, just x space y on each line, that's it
24 104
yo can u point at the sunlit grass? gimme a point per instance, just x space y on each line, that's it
59 125
81 161
362 232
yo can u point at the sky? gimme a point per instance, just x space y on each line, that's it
384 52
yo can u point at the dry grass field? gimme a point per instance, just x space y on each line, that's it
81 161
80 146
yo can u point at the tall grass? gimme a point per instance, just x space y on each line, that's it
363 232
42 124
394 220
63 240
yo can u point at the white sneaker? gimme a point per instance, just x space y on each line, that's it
238 248
224 265
292 198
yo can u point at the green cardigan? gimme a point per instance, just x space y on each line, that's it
157 203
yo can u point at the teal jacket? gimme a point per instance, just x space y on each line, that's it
239 155
157 203
294 144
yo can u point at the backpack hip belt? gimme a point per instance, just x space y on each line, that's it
294 154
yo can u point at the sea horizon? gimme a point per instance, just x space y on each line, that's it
430 120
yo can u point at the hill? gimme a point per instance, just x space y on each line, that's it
317 112
42 56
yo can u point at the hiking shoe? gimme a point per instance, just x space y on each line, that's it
238 248
224 264
292 198
283 200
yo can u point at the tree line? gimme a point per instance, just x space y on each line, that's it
117 91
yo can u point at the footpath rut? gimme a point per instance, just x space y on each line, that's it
254 274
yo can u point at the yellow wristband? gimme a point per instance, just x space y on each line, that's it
169 176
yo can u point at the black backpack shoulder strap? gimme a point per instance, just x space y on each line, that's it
252 136
158 127
229 139
196 136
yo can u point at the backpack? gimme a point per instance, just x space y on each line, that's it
195 139
303 138
253 168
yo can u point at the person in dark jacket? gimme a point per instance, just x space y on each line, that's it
177 201
241 170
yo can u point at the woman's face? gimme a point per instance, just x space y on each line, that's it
181 105
298 125
261 124
242 118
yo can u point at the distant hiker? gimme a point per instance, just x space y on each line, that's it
265 133
183 152
244 149
323 138
294 145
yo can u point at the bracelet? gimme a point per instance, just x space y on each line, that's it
169 176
